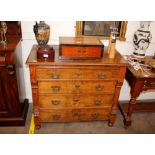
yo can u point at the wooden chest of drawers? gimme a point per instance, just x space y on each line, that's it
82 90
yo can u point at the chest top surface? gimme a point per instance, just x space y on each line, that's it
118 61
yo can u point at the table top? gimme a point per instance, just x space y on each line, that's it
148 73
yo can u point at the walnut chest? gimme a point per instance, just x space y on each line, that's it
79 90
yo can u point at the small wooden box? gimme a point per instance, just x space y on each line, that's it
80 48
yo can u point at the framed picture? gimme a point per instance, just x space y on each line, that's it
100 29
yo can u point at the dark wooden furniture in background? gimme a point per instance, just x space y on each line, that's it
138 83
12 112
81 90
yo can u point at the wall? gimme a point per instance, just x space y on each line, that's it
67 28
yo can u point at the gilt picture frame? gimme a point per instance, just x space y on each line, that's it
100 29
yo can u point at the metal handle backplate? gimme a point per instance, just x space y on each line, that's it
56 117
55 75
97 102
94 115
55 102
56 88
99 87
101 75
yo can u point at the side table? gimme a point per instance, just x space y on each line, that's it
138 82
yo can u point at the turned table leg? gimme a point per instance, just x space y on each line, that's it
127 120
37 123
37 127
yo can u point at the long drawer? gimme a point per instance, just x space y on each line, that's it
68 115
79 73
73 101
60 87
73 51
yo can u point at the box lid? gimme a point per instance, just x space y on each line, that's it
80 41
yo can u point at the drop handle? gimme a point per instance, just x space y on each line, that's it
56 117
55 75
95 115
101 75
56 88
99 88
76 113
77 86
55 102
78 74
76 100
97 102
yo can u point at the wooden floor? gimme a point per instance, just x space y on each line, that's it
142 123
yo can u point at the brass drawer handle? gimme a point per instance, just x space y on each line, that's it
82 51
97 102
95 115
56 117
55 88
76 113
77 86
55 75
101 75
76 100
99 88
78 74
55 102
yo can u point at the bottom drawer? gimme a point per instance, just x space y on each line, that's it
69 115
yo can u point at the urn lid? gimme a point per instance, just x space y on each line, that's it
40 25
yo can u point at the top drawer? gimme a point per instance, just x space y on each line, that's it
78 73
81 51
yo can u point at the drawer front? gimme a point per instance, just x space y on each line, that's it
59 87
148 84
90 114
72 101
78 73
81 51
68 115
53 115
